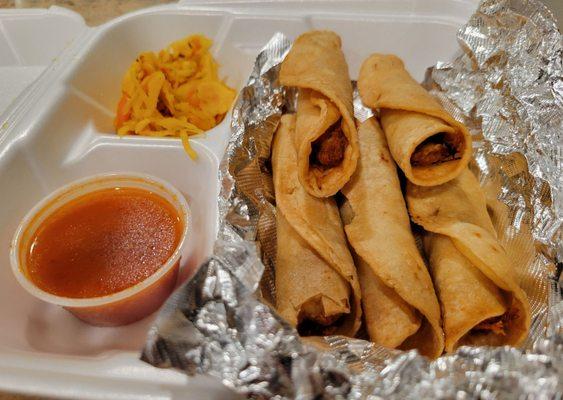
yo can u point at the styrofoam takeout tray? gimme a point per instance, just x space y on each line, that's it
60 129
30 40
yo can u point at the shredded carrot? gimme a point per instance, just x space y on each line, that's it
123 110
176 92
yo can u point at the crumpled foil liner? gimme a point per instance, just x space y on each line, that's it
507 87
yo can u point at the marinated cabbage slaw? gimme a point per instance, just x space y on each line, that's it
175 93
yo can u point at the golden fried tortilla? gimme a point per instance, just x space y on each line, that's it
325 133
400 306
482 303
317 288
426 142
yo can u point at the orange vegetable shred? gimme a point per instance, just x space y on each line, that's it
176 92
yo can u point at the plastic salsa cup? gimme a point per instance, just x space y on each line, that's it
130 304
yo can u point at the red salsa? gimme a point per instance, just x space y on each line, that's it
103 242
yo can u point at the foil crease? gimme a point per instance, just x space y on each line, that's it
507 87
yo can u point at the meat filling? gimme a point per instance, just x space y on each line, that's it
493 325
496 325
436 149
320 325
328 150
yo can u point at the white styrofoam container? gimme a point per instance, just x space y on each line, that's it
60 129
30 39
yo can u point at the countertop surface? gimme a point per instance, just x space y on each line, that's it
94 12
100 11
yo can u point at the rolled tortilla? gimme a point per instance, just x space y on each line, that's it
325 133
400 306
482 303
427 143
317 287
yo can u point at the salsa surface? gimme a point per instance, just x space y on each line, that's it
103 242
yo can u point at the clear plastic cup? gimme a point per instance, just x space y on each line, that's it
128 305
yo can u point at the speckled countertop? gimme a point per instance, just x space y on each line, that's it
95 12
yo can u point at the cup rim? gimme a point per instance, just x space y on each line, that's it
181 207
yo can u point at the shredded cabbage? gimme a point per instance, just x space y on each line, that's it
175 93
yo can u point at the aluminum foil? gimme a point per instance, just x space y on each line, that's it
507 87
